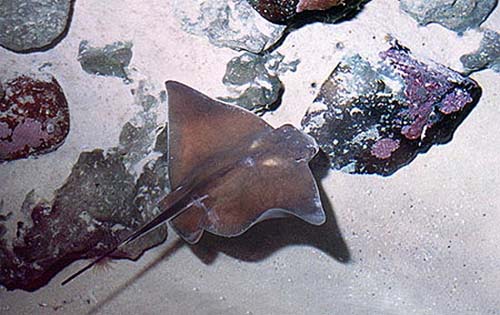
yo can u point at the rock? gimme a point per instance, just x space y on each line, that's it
138 136
110 60
284 11
375 118
314 5
275 11
454 15
228 23
100 203
487 56
255 82
31 25
34 117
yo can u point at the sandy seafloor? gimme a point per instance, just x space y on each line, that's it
422 241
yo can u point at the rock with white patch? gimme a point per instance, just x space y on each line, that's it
228 23
253 81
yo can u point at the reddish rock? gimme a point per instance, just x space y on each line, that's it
34 117
305 5
383 148
282 11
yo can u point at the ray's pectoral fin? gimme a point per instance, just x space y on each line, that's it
262 193
300 198
272 179
200 127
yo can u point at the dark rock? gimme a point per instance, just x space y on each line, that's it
377 118
487 56
283 11
91 212
275 11
110 60
151 187
254 79
29 25
454 15
314 5
3 219
34 117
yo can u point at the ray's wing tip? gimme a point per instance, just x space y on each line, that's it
317 217
172 85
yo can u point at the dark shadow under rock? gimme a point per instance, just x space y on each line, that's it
34 117
336 14
29 26
375 118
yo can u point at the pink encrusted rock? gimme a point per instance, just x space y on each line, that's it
374 117
284 11
34 117
305 5
383 148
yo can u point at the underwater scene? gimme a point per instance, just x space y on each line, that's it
249 157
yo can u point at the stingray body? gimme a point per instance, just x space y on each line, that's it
230 170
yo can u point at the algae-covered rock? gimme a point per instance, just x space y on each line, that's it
110 60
